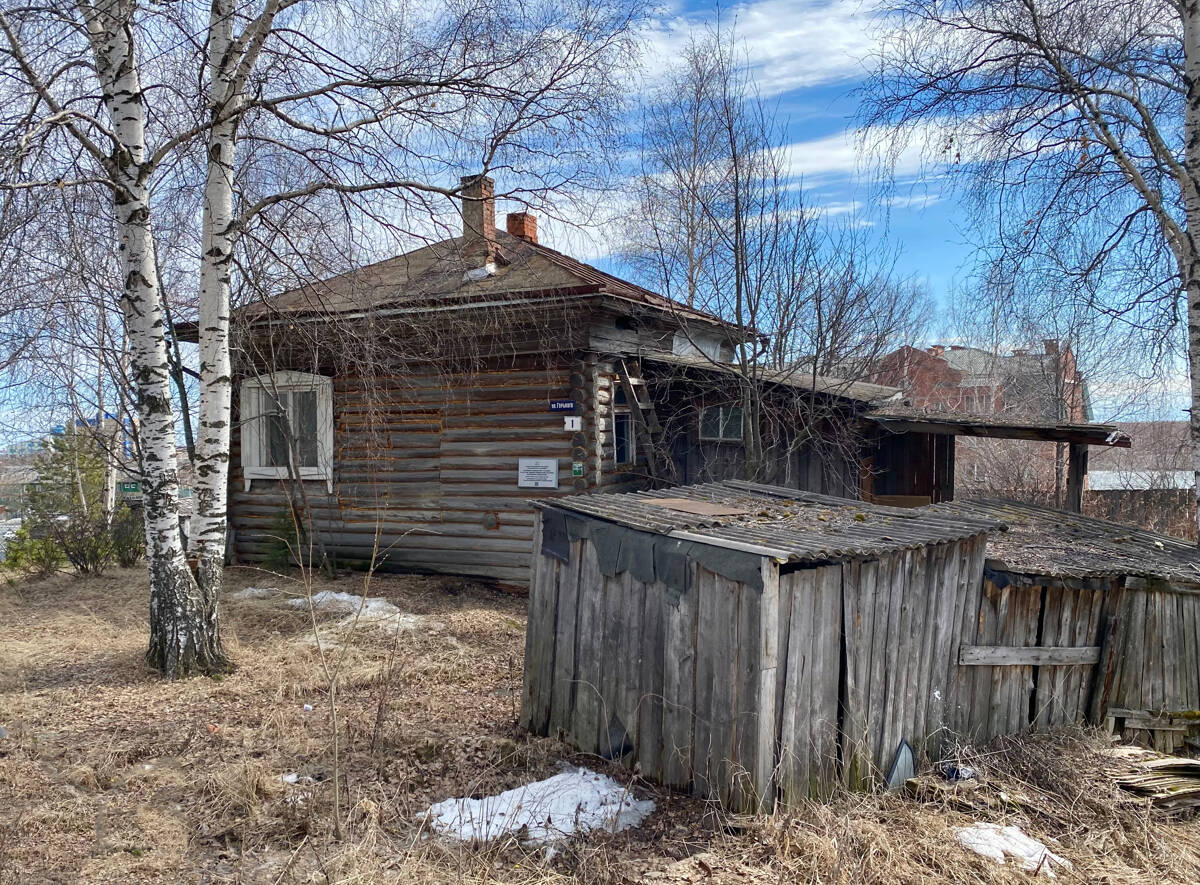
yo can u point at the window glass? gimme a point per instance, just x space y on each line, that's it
292 413
276 436
721 423
731 425
304 426
622 438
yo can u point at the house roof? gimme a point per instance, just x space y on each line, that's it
1043 541
902 418
432 278
787 524
859 391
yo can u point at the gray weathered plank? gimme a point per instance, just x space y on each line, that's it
1030 655
679 686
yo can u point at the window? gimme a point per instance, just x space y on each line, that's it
722 423
623 446
287 427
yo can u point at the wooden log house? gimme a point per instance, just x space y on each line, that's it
407 410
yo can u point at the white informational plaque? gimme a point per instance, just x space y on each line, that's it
537 473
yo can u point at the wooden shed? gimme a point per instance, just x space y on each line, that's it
1083 620
747 642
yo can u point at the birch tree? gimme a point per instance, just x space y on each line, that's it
1075 128
252 108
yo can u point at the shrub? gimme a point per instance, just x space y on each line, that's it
26 553
128 535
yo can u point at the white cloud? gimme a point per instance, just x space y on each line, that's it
790 44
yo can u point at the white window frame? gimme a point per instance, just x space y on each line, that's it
721 419
255 394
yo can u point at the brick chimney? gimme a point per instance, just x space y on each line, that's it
479 215
522 225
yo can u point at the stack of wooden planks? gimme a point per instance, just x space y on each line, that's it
1171 783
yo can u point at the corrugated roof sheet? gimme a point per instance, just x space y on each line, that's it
1043 541
799 526
860 391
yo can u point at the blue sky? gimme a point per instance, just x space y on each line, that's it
809 57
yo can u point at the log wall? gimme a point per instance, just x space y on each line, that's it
425 471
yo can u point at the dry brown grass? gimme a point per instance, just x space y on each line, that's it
109 774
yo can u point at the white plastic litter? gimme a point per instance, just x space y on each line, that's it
997 842
576 801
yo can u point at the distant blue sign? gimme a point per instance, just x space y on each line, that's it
562 405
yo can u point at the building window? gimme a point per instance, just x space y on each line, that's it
721 423
287 427
623 444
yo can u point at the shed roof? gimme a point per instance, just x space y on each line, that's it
902 418
1044 541
775 521
859 391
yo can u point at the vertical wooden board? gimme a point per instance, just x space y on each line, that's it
706 650
539 647
795 738
996 614
532 613
747 658
1087 631
946 601
1191 640
1044 698
766 740
566 639
895 641
629 689
679 685
964 629
1107 673
585 725
854 680
1170 646
869 592
723 712
1127 690
1062 675
826 669
888 598
651 681
1033 608
928 584
1152 661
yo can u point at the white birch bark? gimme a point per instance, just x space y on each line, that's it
1186 253
183 635
212 444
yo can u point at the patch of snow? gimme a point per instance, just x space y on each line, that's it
256 593
997 842
575 801
374 609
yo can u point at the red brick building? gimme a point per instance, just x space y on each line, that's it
1043 385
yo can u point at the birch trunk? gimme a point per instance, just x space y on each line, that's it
212 445
1186 254
183 628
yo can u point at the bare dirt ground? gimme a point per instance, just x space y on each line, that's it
109 774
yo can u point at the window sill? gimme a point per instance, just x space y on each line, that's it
306 473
